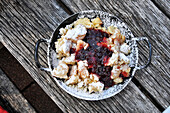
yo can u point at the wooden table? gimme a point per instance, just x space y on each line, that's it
23 22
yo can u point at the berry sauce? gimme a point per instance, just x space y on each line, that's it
72 50
97 55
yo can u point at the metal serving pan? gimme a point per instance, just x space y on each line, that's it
107 19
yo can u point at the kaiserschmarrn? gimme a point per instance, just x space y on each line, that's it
91 57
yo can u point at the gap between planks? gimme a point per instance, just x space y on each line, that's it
147 94
1 45
161 9
29 85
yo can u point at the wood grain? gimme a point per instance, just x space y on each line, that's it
144 19
164 6
9 93
22 23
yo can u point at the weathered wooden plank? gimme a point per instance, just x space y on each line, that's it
19 35
163 5
144 19
10 93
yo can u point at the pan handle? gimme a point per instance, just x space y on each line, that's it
36 55
150 51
